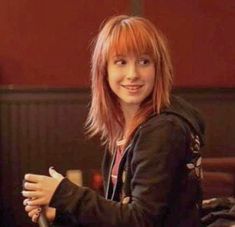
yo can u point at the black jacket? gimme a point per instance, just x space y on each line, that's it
158 179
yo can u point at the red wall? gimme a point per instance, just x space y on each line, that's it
47 42
201 35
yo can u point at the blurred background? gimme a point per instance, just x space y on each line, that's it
45 79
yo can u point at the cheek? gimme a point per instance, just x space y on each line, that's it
114 77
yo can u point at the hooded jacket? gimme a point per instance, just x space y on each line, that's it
158 182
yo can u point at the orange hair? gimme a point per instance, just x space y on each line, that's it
126 34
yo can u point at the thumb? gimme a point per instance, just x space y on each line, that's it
55 174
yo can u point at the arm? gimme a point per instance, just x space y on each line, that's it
157 157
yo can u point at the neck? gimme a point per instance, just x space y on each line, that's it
129 113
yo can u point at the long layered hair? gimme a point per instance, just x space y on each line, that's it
122 35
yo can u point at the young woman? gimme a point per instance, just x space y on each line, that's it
151 166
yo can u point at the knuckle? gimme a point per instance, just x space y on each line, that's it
43 178
39 185
32 203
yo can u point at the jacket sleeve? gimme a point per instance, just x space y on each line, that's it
157 159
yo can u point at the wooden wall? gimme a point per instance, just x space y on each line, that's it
45 127
41 128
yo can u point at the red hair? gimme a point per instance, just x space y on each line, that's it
126 34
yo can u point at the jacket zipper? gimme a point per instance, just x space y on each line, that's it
111 167
115 186
109 175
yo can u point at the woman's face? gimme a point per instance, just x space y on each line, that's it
131 78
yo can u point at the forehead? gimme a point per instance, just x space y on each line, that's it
134 40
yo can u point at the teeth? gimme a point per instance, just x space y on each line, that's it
133 87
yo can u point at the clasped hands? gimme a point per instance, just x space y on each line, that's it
38 190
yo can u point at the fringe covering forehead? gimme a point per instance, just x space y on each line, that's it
127 37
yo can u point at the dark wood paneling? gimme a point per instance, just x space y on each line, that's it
44 127
39 129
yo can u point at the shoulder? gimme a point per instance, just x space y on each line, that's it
162 140
162 132
164 123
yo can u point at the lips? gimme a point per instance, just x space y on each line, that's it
133 87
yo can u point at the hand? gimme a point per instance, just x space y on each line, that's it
41 188
34 212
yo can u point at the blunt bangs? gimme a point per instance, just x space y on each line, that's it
131 37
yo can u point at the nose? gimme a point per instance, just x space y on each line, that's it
132 72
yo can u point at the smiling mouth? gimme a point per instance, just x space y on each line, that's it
132 87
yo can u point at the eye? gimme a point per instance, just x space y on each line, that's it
144 61
120 62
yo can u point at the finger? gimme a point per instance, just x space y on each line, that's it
30 208
55 174
25 202
37 202
33 212
31 194
35 218
30 186
33 177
